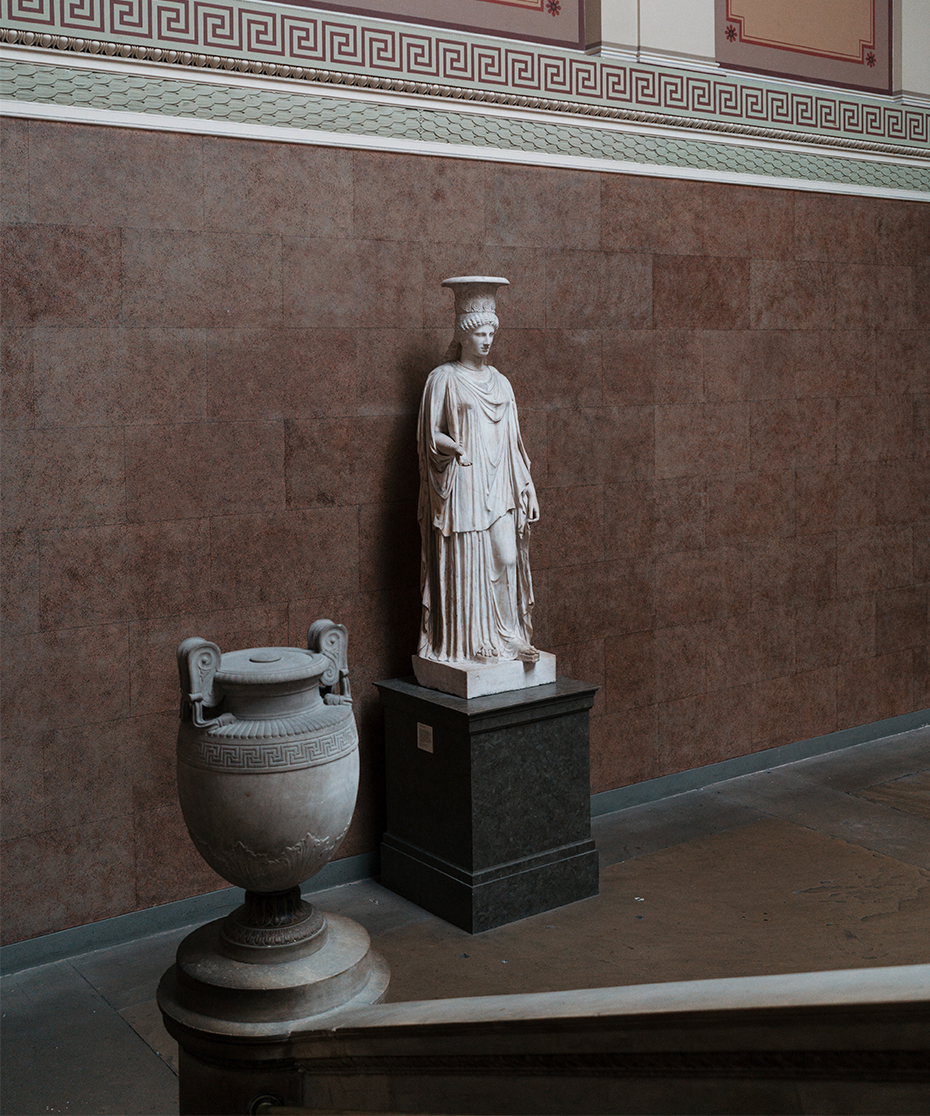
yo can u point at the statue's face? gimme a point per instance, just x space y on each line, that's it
477 342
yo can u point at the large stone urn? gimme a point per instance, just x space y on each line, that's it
267 778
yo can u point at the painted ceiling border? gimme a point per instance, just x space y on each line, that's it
237 36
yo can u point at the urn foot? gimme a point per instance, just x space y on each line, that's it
208 992
272 927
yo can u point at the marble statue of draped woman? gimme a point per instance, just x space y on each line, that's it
477 501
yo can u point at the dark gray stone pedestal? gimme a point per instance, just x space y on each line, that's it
488 801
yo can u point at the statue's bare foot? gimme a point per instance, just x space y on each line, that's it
527 654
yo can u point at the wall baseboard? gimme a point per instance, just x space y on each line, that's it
638 794
201 908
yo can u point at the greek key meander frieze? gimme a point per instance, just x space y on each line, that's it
344 50
281 755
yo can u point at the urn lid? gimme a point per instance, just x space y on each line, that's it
256 665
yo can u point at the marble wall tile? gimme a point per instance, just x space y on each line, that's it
786 433
902 490
153 644
704 729
745 221
160 878
339 283
99 575
693 586
534 207
792 294
921 552
17 381
389 537
351 461
87 775
67 877
272 374
835 631
653 215
390 369
921 669
593 600
113 376
874 428
59 275
752 647
742 364
19 582
701 292
187 279
598 290
191 470
572 530
123 178
834 363
150 745
902 232
22 789
922 297
794 572
585 663
600 446
71 477
835 227
410 198
872 689
794 707
901 618
14 158
873 558
701 439
902 360
835 496
624 748
644 518
550 368
313 550
747 507
253 186
875 297
681 661
629 671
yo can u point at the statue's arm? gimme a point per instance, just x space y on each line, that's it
436 408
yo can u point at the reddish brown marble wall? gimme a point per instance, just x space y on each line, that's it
213 355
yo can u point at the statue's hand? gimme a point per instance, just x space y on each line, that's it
532 513
463 457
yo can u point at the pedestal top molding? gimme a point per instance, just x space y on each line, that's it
376 63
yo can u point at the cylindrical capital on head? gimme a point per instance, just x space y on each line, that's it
475 299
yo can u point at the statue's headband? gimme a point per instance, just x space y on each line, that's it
465 323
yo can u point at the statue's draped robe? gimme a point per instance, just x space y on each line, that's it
472 603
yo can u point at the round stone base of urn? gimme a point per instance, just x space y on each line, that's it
208 991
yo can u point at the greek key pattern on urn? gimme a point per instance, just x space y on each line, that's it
284 755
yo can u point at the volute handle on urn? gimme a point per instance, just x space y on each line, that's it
198 662
332 640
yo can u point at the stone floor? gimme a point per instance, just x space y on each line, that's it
819 864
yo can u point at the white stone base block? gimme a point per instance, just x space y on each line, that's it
469 680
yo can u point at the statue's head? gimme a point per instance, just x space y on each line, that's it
475 309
